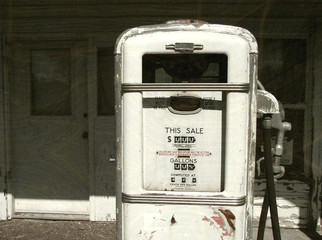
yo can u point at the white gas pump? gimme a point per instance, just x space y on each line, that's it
186 122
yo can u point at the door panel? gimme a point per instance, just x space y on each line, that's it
48 135
104 133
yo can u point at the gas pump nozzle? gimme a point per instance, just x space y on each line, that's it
267 104
277 123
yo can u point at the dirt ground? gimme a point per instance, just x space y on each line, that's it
56 230
85 230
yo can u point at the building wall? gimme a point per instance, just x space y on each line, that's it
98 24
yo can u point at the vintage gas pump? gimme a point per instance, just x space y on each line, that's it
186 122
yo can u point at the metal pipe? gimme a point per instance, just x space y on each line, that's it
260 85
279 148
281 174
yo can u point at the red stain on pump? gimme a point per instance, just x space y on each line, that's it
222 220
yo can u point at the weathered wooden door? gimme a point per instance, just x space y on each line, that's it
48 128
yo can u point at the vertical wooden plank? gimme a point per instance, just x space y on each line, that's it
307 140
317 123
91 86
6 202
3 187
308 112
9 196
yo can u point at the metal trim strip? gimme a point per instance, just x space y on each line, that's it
167 199
51 216
228 87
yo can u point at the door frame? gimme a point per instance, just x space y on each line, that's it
7 198
102 208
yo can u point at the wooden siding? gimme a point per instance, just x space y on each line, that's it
261 18
271 28
171 9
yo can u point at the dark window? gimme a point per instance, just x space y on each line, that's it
184 68
50 82
282 68
105 81
282 71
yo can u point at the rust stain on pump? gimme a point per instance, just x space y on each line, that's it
173 220
229 216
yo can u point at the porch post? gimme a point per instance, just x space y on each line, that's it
317 123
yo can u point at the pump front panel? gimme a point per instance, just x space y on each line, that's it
182 131
182 151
